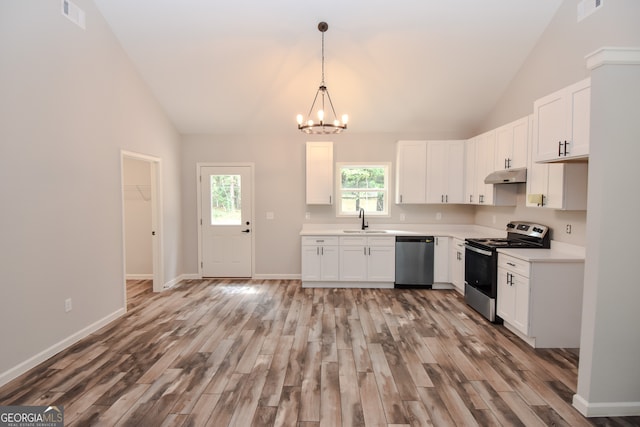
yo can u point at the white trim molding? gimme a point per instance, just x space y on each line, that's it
34 361
606 409
613 56
276 277
139 276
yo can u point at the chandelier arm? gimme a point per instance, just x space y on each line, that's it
313 104
331 104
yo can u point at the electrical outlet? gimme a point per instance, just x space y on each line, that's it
439 216
270 215
403 217
67 305
307 215
568 229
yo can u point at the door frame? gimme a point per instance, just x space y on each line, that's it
251 167
157 248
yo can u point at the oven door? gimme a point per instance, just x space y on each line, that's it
480 270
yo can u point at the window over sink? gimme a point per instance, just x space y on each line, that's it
363 186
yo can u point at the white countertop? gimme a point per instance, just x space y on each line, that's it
559 252
446 230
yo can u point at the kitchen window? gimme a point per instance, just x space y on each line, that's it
363 186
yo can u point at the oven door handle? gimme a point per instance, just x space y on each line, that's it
477 250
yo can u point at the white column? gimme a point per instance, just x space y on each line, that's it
609 370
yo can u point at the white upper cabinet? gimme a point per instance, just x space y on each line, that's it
485 155
319 170
561 124
511 145
560 186
411 172
470 181
445 171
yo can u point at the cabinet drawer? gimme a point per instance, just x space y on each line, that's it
320 240
514 265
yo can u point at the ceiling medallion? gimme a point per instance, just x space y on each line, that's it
326 124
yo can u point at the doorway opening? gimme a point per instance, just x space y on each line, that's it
142 222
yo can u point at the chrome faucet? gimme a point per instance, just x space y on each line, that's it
365 225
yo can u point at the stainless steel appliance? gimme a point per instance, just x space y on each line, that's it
481 263
414 261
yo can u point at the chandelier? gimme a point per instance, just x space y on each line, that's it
326 124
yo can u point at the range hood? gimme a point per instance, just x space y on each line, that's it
507 176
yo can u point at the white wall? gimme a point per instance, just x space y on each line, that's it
280 188
70 102
137 217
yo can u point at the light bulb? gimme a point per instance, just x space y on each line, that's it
336 122
310 123
321 115
299 117
345 118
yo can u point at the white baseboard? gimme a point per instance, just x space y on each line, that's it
606 409
34 361
180 278
139 276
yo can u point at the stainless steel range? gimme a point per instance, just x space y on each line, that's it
481 263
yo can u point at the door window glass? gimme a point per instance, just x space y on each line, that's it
225 200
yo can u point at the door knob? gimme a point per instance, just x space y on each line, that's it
246 231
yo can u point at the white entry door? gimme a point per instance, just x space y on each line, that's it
226 196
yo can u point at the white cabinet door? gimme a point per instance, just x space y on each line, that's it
562 121
456 260
441 260
445 171
470 182
381 263
311 263
319 173
485 149
506 300
353 263
437 174
511 145
521 317
411 171
330 263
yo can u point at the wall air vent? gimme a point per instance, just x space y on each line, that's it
74 13
587 7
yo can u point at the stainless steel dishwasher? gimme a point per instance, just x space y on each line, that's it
414 261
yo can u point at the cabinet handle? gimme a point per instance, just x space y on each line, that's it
470 198
446 198
511 264
365 251
505 164
559 148
401 198
565 147
508 163
369 250
330 200
442 198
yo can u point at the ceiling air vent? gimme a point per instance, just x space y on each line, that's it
73 12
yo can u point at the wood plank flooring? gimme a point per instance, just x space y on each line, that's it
265 353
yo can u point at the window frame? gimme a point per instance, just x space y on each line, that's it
387 188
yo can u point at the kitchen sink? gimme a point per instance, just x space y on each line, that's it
364 231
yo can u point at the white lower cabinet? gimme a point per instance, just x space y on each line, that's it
441 260
367 259
320 258
456 262
541 301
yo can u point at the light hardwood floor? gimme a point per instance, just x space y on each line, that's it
232 352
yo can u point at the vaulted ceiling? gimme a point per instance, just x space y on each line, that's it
250 66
